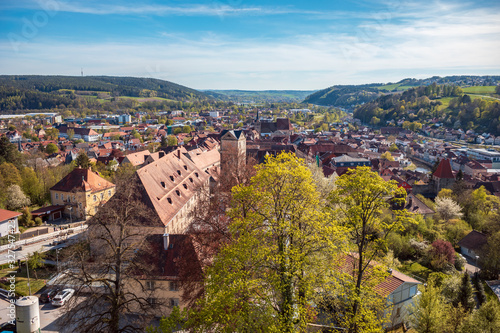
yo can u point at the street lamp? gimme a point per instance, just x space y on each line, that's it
27 272
477 259
70 218
57 258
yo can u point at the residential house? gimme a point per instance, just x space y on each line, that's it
8 222
472 243
82 191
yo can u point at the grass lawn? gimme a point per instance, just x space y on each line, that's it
416 269
445 101
480 90
22 288
489 293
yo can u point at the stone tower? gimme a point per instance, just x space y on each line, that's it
233 151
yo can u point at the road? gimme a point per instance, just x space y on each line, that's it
42 246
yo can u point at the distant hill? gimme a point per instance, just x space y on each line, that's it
18 92
260 96
348 96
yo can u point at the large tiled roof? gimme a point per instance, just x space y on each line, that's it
170 182
82 180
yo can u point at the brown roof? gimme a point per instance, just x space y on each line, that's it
170 182
415 205
82 180
138 158
7 214
443 170
474 240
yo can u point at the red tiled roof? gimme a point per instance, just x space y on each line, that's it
7 214
443 170
82 180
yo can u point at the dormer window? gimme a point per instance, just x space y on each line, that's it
190 179
196 174
172 178
178 192
179 172
169 200
185 167
185 186
163 184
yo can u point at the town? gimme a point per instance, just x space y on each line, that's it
164 179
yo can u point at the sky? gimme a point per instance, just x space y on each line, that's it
251 45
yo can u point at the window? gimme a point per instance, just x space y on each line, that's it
102 196
172 178
179 172
413 291
150 285
174 286
398 312
109 193
152 300
178 192
174 302
169 200
62 197
57 196
95 198
74 199
162 184
185 167
196 174
185 186
190 179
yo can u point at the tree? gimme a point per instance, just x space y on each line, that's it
267 273
441 254
10 174
82 160
359 201
484 320
26 219
489 257
465 295
51 149
109 266
387 156
36 260
171 140
9 152
52 133
16 198
447 208
71 133
429 312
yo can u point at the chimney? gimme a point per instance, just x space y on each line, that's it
161 154
166 241
178 153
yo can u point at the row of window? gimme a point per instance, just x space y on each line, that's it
74 198
173 285
171 301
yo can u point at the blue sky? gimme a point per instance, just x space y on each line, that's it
256 45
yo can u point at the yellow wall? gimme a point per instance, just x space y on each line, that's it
83 203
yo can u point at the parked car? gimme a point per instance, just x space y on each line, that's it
48 295
62 297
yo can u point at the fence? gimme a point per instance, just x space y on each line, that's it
34 233
42 238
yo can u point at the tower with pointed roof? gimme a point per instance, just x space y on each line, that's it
443 176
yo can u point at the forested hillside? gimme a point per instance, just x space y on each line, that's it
44 92
443 103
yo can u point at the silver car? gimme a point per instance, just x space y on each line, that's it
62 297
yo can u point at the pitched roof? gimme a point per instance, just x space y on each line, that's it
444 170
7 214
82 180
170 182
138 158
474 240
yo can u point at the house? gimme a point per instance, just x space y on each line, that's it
399 289
82 191
8 222
164 254
472 243
49 213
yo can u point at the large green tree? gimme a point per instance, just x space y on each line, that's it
282 246
360 201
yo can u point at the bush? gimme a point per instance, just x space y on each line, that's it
440 255
459 262
38 221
